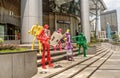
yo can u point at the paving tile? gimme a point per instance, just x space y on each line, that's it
106 74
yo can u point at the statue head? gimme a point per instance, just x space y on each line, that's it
46 26
68 30
59 30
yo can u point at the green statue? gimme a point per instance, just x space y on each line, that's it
81 41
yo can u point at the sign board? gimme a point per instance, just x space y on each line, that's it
55 38
63 22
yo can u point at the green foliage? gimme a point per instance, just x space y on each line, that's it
115 37
1 40
15 50
94 40
101 40
8 46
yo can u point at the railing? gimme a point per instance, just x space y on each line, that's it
10 37
15 20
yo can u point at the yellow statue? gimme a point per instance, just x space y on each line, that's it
35 30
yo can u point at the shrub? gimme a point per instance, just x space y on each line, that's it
8 46
1 40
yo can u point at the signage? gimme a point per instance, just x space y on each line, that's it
63 22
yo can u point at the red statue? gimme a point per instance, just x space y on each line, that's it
44 38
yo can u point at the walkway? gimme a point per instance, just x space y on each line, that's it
111 68
104 64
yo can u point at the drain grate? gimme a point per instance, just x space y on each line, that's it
43 72
58 66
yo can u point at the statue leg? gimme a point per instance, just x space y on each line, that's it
60 46
48 55
55 48
79 49
40 47
72 56
43 58
85 49
67 55
33 43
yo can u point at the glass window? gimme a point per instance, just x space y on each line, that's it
2 31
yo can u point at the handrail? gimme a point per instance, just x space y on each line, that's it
10 37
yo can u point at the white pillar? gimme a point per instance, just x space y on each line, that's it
31 13
99 25
85 18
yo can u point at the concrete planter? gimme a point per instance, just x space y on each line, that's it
91 50
18 65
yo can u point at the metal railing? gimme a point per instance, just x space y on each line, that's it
10 37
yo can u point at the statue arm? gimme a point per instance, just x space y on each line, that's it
85 39
75 37
40 34
31 30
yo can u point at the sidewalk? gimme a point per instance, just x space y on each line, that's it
111 68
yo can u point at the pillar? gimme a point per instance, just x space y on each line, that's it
85 18
98 27
31 13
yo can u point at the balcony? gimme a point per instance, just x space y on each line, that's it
15 20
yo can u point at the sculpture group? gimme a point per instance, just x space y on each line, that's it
45 40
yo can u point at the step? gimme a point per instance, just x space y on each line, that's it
70 72
65 65
92 68
60 57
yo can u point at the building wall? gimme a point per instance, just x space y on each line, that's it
32 12
64 21
111 18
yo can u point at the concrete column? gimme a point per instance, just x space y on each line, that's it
31 13
85 18
98 27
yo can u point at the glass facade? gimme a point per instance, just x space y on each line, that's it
9 32
2 31
9 19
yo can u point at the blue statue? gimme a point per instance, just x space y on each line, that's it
108 31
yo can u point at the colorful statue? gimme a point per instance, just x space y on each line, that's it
56 39
44 39
35 30
68 45
81 42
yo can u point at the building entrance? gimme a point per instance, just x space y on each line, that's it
64 27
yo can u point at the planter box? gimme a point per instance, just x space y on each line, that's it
18 65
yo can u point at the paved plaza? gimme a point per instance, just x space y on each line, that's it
109 68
